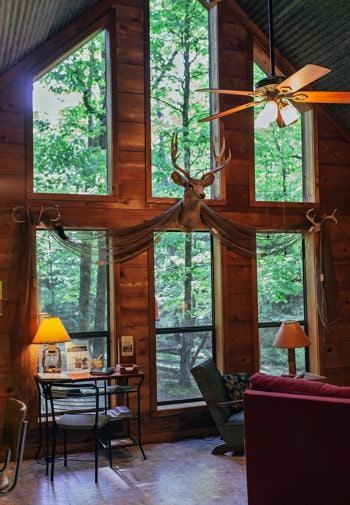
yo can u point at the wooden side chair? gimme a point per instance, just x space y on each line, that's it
13 442
228 418
76 419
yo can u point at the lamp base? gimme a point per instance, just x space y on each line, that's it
292 368
52 369
51 359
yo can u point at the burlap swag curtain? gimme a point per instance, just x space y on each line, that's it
131 241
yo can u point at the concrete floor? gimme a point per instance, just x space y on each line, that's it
179 473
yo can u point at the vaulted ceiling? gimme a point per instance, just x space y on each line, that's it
311 31
306 31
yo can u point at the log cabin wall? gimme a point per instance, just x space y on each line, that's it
133 280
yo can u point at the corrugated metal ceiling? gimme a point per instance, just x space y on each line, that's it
311 31
26 24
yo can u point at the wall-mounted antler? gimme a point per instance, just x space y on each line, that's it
209 5
194 188
317 221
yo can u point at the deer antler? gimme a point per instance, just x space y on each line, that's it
220 160
209 5
311 216
331 217
174 155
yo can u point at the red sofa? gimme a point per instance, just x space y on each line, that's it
297 440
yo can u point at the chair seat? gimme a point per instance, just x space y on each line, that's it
236 418
81 421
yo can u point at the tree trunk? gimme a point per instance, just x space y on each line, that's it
101 287
187 339
85 287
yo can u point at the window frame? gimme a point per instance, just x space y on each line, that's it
309 151
215 130
276 323
52 57
107 334
157 406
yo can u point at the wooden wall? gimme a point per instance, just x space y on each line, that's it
133 280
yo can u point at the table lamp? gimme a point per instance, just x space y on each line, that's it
289 336
51 332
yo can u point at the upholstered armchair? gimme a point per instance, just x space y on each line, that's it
226 413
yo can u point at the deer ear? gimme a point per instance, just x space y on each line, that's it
178 179
208 179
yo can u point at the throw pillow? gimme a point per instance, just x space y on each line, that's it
235 385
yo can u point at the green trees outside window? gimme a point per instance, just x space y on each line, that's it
281 297
279 163
184 313
70 123
74 286
179 50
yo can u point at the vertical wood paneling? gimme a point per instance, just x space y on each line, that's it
133 279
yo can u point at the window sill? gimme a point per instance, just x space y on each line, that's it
263 203
178 408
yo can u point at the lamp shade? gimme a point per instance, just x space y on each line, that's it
51 331
291 335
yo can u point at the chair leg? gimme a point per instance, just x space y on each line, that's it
53 453
109 445
65 447
96 458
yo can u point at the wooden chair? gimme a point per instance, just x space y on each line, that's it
77 418
13 442
230 424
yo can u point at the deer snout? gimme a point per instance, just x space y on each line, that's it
201 196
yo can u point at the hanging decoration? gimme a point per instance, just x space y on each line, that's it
189 214
325 278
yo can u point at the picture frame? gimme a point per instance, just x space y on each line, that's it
78 359
126 349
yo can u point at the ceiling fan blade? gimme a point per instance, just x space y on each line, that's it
228 112
302 77
321 97
227 91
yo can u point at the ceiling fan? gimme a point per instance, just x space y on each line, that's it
280 93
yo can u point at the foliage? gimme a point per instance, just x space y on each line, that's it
278 159
61 281
280 297
179 65
69 124
174 309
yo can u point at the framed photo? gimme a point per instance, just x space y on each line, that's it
127 346
77 358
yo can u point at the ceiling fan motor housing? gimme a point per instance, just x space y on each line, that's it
269 82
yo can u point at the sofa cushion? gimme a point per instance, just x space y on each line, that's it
289 385
235 385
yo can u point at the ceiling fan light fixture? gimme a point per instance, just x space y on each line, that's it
267 115
289 114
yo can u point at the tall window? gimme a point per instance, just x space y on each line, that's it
282 162
179 49
70 123
184 312
281 296
74 287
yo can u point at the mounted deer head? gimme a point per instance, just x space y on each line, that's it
194 188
